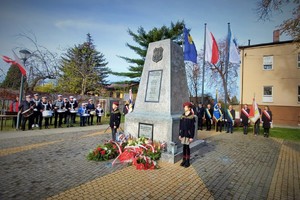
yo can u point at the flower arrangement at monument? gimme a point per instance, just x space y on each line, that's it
141 152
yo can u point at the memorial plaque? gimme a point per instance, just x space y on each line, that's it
153 86
146 130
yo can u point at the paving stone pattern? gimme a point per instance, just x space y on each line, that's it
52 165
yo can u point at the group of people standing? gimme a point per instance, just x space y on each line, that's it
227 118
36 110
265 118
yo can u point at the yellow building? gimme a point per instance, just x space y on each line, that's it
271 72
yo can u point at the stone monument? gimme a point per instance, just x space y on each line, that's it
162 91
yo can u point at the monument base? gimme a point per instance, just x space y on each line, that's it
173 158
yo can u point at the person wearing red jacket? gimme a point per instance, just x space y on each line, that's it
14 107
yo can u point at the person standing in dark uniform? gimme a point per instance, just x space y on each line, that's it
219 123
66 114
37 114
71 109
58 111
245 118
267 120
186 132
200 115
26 105
44 105
115 119
91 110
208 117
257 123
229 118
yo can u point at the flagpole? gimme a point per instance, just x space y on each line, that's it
203 72
254 115
226 66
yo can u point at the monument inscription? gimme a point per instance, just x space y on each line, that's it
146 130
153 86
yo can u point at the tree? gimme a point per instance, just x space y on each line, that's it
217 74
193 77
83 68
142 38
291 27
41 65
13 78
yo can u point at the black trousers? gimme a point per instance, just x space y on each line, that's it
58 116
98 119
219 125
186 151
113 133
37 116
200 123
208 124
256 127
24 121
245 128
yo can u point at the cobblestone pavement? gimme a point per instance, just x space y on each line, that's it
52 165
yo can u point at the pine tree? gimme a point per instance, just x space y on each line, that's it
142 38
84 68
13 78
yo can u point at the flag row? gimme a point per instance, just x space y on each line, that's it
211 50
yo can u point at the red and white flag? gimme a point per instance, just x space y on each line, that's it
15 62
254 112
212 50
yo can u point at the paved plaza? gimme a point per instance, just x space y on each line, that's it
52 164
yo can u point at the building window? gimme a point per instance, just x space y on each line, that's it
298 93
268 62
268 94
298 60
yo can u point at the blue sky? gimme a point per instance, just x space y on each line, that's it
60 24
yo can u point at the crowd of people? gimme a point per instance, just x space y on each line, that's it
39 112
227 119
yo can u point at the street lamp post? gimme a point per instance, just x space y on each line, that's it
24 56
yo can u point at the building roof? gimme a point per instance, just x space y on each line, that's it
266 44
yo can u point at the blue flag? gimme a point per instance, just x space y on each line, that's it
234 56
190 52
217 114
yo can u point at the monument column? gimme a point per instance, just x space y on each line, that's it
162 91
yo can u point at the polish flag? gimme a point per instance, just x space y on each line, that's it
212 50
254 112
15 62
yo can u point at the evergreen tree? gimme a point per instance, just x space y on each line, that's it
142 38
84 68
13 78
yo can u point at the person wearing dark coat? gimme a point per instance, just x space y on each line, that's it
257 123
90 107
115 120
26 105
229 118
186 132
267 120
37 115
58 107
219 123
200 115
245 118
44 105
208 117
